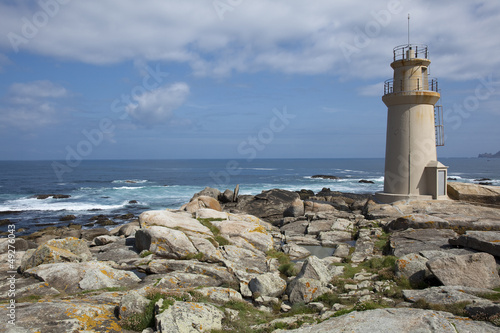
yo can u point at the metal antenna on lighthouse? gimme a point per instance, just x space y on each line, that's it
408 28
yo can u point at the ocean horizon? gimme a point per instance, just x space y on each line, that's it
118 187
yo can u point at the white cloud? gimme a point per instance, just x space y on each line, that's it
156 107
376 89
31 105
37 89
352 39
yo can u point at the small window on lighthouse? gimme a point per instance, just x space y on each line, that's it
425 79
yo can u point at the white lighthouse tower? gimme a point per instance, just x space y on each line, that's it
411 167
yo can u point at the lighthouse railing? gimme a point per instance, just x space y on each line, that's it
409 85
411 51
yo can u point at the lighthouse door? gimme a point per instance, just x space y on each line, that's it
441 182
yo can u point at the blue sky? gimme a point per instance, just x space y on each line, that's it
123 79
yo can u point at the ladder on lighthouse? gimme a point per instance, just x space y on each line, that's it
438 122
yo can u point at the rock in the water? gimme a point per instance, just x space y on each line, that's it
475 270
268 284
188 317
484 241
326 177
399 320
54 196
56 250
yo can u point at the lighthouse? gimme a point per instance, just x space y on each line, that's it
414 129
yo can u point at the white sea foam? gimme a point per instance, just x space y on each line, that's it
33 204
130 181
128 188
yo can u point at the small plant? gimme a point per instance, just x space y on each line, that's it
200 256
365 306
300 308
288 269
282 257
383 244
145 253
343 312
458 309
221 240
329 299
208 223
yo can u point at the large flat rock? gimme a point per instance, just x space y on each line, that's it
446 294
397 320
489 195
484 241
173 219
416 240
62 316
478 270
76 277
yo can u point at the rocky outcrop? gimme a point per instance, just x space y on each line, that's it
54 251
416 240
480 194
91 315
77 277
242 264
397 320
446 295
174 220
186 317
477 270
164 242
201 202
269 205
484 241
269 284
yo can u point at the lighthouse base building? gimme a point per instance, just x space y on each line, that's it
413 130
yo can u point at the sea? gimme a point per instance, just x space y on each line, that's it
114 188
